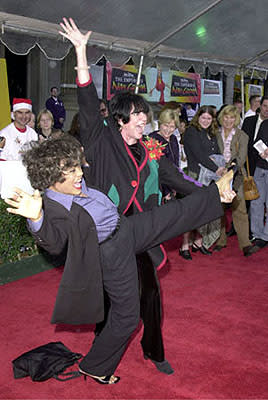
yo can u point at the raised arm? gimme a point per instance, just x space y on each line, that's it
47 232
91 123
26 205
79 40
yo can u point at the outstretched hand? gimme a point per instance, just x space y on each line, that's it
26 205
72 33
224 185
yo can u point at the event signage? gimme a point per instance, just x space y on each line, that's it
155 85
185 87
124 79
211 93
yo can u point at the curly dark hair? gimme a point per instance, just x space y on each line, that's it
45 162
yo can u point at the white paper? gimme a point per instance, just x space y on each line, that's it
260 146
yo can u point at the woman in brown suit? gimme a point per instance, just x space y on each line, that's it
233 144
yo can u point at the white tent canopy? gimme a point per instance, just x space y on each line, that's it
221 34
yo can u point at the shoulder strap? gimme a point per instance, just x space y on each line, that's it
68 375
247 165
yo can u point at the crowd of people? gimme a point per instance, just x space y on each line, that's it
144 197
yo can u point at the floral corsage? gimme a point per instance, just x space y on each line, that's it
155 148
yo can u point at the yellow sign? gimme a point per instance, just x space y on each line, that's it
251 90
4 95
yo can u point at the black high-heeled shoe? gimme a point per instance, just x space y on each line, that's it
202 249
185 254
106 380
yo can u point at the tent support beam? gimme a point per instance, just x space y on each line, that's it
179 28
253 59
139 75
242 72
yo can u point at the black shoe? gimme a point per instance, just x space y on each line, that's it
162 366
218 247
260 243
185 254
249 250
202 250
231 232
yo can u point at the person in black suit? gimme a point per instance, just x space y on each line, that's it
100 244
251 126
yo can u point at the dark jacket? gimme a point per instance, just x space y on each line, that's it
263 135
113 168
249 126
57 109
198 147
171 150
80 295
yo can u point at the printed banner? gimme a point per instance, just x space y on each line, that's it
211 93
185 87
123 79
156 85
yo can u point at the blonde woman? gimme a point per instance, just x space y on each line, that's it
45 123
233 144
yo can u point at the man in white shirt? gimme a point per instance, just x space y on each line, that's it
17 134
254 102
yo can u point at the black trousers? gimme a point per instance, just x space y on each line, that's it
150 308
138 233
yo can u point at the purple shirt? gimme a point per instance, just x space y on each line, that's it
102 210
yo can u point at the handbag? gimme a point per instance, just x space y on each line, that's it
47 361
250 188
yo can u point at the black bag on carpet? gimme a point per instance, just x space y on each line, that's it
47 361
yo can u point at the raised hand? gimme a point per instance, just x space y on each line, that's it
26 205
72 33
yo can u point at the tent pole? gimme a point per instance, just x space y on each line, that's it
242 90
179 28
139 75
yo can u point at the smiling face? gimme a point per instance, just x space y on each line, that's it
228 122
133 130
72 184
167 129
205 120
22 117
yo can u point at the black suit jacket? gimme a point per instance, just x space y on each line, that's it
249 126
80 294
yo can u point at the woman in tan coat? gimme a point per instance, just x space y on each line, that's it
233 144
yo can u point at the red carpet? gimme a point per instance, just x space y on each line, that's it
215 330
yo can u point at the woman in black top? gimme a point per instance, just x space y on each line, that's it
200 144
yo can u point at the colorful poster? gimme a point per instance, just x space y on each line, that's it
211 93
123 79
4 96
156 85
185 87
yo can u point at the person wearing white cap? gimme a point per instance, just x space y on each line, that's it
17 135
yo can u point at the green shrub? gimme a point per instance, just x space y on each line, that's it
15 240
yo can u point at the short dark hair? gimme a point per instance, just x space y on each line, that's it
121 106
45 162
253 97
264 98
53 87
